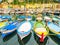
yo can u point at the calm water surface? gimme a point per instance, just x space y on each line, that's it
32 39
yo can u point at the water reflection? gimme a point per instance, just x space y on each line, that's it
37 40
55 39
24 40
9 36
50 40
47 41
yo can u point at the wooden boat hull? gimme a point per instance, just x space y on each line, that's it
54 29
9 29
23 31
40 31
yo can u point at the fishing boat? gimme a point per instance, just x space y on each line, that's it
18 11
46 18
40 29
1 18
9 29
6 17
54 28
21 18
54 19
24 28
28 18
56 16
2 24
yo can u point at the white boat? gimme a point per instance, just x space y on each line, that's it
24 29
47 18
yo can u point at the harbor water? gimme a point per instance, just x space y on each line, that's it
29 22
32 39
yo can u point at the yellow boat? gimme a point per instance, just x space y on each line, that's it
3 23
40 30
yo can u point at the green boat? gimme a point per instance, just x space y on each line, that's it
41 30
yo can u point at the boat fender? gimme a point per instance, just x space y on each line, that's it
42 38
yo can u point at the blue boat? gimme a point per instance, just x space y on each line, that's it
9 29
22 17
24 29
8 17
3 22
54 28
5 17
28 18
1 18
